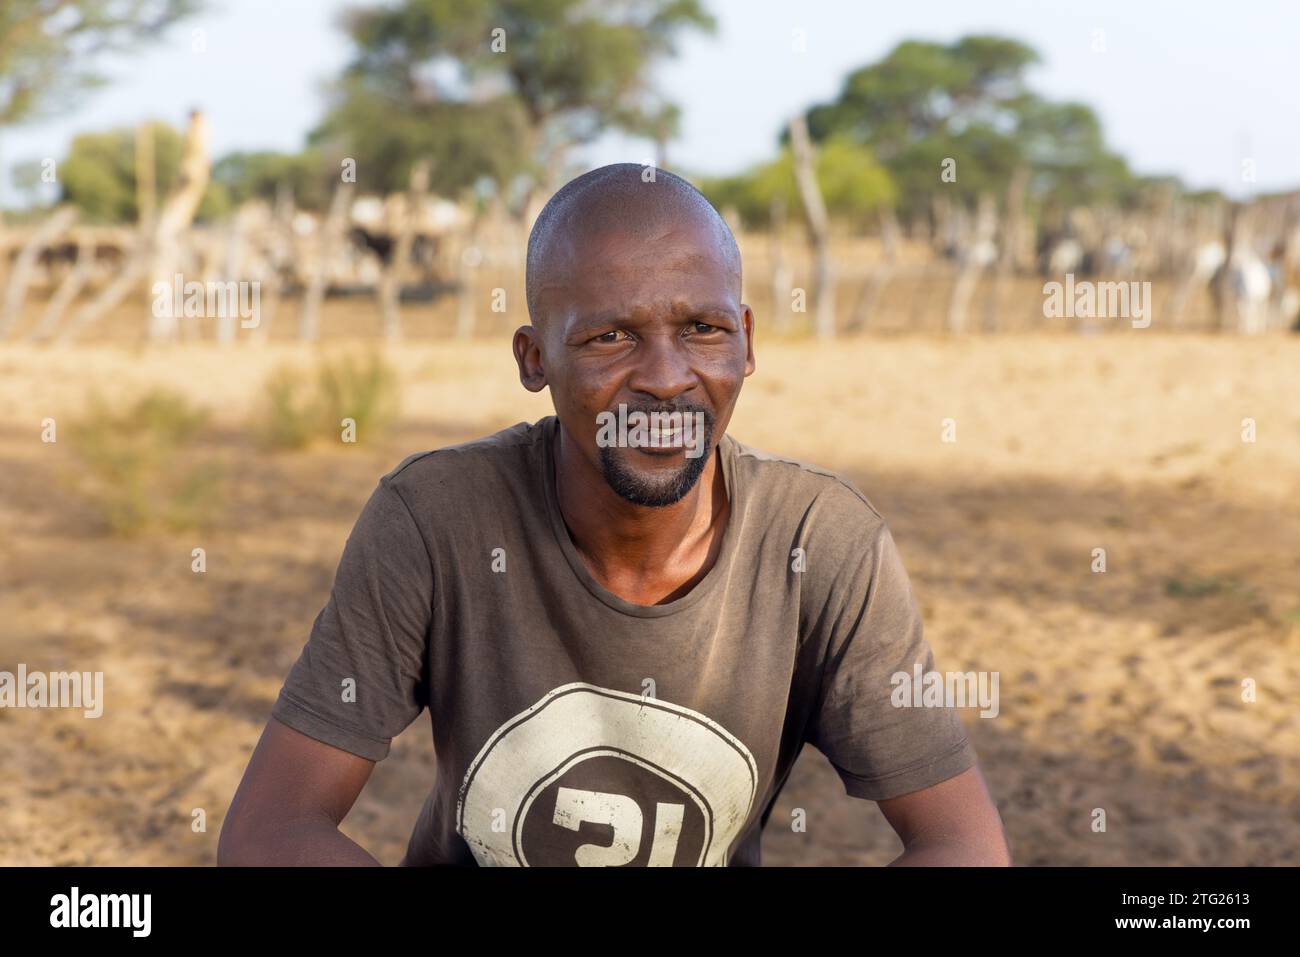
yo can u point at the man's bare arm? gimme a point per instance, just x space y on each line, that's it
295 792
952 823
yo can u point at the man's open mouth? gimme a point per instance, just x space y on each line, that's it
654 431
666 437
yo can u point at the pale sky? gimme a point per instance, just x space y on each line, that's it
1190 88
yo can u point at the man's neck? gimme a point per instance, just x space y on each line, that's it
645 555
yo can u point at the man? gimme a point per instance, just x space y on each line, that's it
624 636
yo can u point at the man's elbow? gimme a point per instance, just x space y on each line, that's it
984 848
240 844
993 850
230 844
975 849
998 854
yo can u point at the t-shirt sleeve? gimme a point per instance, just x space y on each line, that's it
360 679
875 633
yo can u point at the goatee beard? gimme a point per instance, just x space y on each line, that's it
651 490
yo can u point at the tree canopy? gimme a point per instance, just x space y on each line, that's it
498 88
925 102
49 49
99 174
852 182
261 174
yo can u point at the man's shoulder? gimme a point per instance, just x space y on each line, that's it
468 465
789 482
818 510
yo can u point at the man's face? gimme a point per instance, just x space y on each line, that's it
654 324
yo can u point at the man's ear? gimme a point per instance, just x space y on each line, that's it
747 323
528 356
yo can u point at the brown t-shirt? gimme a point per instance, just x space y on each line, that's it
573 727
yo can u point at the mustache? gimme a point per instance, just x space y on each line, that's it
684 408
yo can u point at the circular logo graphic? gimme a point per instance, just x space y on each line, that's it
593 777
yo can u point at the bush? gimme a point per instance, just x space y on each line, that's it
300 409
366 393
137 468
292 414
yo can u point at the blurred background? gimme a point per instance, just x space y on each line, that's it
228 226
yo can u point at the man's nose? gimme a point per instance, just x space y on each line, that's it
663 368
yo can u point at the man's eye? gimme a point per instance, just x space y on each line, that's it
703 327
611 336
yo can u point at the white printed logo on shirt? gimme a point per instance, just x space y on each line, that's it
596 777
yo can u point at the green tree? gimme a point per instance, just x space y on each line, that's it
99 174
921 89
499 88
1064 145
261 175
49 48
926 102
853 183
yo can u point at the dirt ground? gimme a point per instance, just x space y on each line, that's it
1119 691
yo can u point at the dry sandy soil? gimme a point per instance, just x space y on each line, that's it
1119 691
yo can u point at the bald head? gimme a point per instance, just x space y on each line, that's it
617 200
